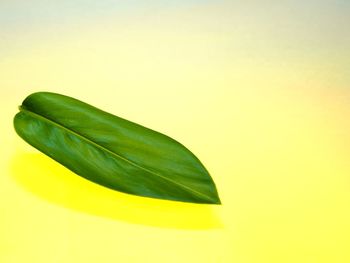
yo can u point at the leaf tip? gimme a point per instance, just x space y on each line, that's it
216 201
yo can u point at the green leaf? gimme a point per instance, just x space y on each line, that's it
112 151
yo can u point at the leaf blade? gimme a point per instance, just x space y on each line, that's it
112 151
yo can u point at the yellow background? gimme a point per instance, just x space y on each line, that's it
258 90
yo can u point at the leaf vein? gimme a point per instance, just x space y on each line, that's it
111 152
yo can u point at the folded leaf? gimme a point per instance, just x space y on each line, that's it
112 151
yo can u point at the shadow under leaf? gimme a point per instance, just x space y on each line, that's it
47 179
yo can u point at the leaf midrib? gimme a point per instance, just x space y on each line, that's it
23 109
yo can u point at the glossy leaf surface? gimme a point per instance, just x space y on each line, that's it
112 151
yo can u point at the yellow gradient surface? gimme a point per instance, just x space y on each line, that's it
259 93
